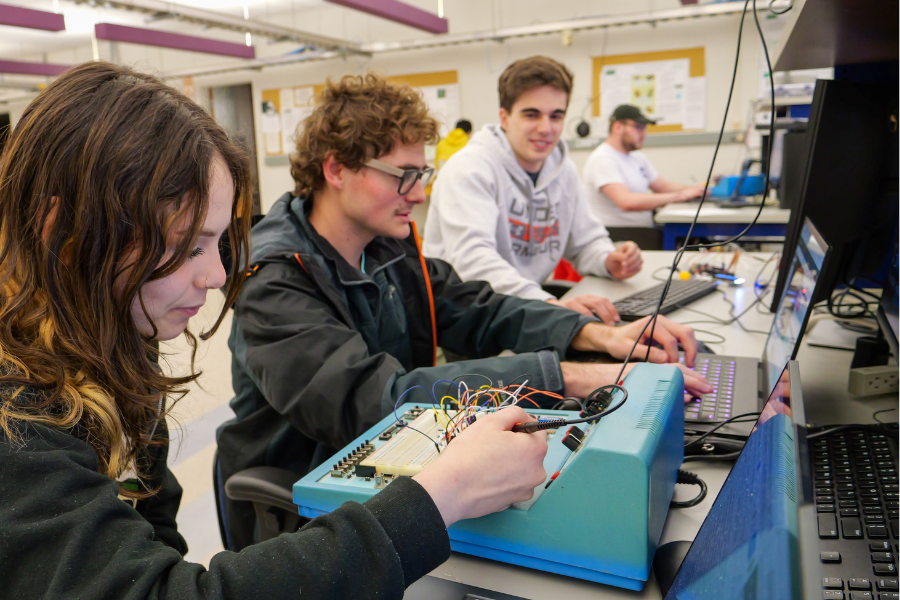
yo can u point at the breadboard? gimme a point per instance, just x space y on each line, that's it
408 451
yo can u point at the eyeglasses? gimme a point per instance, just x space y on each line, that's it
407 177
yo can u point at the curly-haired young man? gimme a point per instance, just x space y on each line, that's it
342 314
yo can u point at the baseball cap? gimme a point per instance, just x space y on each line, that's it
628 112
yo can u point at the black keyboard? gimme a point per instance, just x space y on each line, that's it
716 406
855 481
681 292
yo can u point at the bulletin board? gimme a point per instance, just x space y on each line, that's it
283 109
669 86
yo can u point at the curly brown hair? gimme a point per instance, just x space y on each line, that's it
358 118
529 73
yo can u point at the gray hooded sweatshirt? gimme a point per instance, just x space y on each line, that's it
491 223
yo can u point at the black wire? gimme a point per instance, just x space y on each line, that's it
679 253
533 426
688 478
713 457
561 402
779 12
732 420
878 412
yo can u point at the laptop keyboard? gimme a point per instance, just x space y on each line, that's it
855 484
714 407
681 292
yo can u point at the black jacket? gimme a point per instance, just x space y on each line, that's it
321 351
64 533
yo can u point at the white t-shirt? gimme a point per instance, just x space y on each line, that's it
607 165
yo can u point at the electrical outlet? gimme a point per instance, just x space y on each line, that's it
872 381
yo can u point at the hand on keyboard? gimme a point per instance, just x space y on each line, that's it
590 306
667 334
583 378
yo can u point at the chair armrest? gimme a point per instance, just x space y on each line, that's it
557 287
266 485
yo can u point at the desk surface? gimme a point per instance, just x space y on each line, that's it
683 212
824 374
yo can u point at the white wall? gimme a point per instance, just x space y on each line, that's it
479 65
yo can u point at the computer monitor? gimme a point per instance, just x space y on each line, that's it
807 262
887 307
849 187
793 168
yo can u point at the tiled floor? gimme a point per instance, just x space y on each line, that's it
193 425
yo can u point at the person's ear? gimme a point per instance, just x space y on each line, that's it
504 119
334 172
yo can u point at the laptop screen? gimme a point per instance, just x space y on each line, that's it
793 310
747 547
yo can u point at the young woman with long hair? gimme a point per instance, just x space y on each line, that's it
114 192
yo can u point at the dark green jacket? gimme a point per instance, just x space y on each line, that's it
64 533
321 351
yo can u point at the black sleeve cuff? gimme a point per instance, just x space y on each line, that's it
551 371
412 521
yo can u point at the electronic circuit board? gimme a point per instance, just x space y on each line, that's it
599 514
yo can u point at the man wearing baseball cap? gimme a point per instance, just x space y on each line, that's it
622 186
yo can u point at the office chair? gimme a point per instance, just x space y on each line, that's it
269 489
648 238
557 287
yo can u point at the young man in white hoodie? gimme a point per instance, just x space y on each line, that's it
510 205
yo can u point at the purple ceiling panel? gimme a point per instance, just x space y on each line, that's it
30 18
162 39
398 12
30 68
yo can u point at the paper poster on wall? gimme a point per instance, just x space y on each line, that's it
440 91
443 104
669 87
284 109
271 127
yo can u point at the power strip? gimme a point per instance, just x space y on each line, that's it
873 381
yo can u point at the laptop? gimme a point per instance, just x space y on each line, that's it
772 532
749 545
742 384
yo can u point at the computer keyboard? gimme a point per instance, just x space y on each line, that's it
855 481
714 407
681 292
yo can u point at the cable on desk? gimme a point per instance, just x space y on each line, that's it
734 319
680 252
712 457
779 12
878 412
732 420
601 396
721 337
686 477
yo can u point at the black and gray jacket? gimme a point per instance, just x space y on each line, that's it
322 351
64 533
